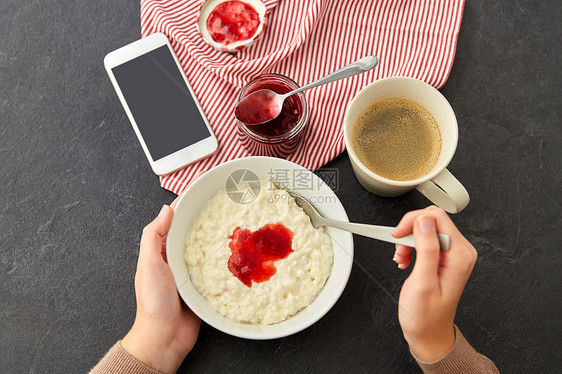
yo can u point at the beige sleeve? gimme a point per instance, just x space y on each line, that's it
462 358
118 361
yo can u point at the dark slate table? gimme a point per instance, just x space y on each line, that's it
76 191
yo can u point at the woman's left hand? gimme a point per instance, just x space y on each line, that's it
165 329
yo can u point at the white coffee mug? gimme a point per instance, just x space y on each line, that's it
439 185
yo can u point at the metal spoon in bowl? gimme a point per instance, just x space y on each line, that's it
371 231
264 105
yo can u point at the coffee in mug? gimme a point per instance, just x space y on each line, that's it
397 139
400 134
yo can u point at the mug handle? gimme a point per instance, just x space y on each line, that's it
446 192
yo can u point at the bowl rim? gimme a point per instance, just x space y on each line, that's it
290 326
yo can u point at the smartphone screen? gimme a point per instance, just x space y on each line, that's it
160 102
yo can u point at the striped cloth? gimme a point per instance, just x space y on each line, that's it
305 40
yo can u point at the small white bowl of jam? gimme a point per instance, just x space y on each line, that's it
231 25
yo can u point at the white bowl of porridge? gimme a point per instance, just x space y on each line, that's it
245 257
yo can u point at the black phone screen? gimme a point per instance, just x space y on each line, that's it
160 102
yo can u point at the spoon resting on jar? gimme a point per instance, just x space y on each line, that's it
264 105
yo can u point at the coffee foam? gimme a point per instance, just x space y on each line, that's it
397 139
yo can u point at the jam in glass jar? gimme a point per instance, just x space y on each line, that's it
281 136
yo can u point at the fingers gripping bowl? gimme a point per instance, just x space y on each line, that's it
205 188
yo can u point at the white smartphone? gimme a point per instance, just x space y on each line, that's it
160 104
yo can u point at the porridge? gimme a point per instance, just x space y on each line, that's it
260 262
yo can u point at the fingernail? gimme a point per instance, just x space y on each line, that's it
426 224
164 208
399 266
394 258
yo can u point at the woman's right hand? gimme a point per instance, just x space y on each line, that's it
430 295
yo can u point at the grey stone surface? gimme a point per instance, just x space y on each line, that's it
76 191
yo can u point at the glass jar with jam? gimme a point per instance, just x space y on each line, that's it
281 136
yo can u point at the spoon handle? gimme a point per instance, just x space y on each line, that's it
360 66
381 233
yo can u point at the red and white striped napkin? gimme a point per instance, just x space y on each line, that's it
305 40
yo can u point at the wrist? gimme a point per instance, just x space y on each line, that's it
164 355
432 347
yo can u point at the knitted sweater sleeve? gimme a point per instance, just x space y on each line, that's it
118 361
462 358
